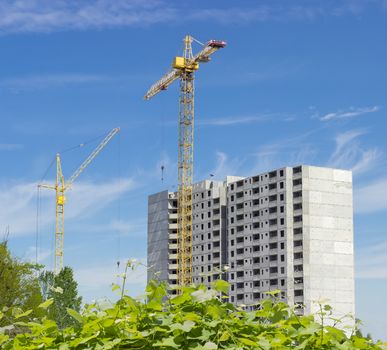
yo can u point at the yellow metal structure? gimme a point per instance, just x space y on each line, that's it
184 68
60 188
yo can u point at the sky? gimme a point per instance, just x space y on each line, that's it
300 82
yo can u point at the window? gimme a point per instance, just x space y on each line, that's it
297 194
298 255
282 197
282 258
297 206
272 210
297 170
281 173
297 182
297 218
298 293
281 185
297 231
272 198
298 243
274 282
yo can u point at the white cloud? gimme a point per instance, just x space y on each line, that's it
10 146
55 15
42 254
230 121
35 82
225 166
350 154
350 113
18 202
371 197
97 280
372 261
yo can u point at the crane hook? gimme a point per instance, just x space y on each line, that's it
162 173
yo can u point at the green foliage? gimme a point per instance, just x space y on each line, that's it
195 319
19 287
60 292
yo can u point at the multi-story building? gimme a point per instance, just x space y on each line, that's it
289 229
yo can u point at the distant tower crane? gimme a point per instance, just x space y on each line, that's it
183 68
60 189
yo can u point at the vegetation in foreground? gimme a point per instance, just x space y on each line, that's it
195 319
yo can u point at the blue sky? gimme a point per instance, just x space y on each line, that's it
299 82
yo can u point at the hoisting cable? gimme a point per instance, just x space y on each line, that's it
197 41
83 144
119 204
37 225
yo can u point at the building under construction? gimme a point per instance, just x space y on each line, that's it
289 229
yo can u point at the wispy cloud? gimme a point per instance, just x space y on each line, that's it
42 255
372 261
10 146
37 82
349 113
350 154
371 197
226 167
56 15
96 280
18 202
231 121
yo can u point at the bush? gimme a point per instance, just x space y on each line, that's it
195 319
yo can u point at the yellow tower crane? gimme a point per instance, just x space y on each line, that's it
183 68
60 189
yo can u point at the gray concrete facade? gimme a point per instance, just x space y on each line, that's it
289 229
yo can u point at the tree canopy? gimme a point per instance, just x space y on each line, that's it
19 287
63 289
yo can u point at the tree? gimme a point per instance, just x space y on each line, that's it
63 289
19 287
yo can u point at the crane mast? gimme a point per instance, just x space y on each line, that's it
60 189
183 69
185 170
